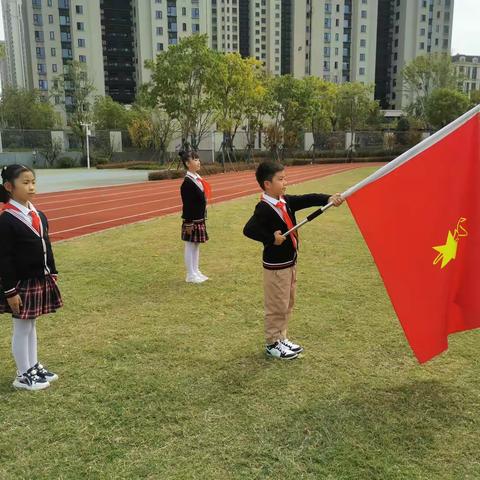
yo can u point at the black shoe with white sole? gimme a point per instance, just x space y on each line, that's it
292 346
42 372
30 381
280 351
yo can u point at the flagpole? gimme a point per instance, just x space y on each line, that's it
389 167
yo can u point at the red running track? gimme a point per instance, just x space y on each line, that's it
79 212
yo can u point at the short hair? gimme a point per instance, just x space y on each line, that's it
266 171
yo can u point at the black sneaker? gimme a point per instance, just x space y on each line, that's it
30 381
42 372
292 346
280 351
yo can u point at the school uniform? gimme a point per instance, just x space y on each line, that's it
194 212
27 265
279 261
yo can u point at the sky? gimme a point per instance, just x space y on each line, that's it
466 27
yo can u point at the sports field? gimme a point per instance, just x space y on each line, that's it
160 379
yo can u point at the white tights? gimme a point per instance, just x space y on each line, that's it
24 344
192 257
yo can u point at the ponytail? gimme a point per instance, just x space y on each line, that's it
185 156
4 195
9 174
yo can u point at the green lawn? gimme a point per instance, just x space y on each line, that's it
164 380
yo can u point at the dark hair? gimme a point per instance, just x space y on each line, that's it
185 156
9 174
266 171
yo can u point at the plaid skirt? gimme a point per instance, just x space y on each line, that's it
39 297
199 233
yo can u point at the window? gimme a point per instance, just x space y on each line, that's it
196 29
52 35
158 14
40 51
81 42
184 11
49 3
363 29
361 70
327 36
80 26
326 51
195 13
50 19
37 3
38 36
363 42
79 9
82 58
172 11
422 45
37 19
53 52
328 23
159 47
184 27
41 68
159 30
362 57
422 32
54 68
328 8
364 14
43 84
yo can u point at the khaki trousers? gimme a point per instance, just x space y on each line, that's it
279 288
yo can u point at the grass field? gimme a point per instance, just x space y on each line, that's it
164 380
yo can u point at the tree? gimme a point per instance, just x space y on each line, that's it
423 75
445 105
320 108
289 108
110 115
181 85
152 129
475 97
238 83
26 110
354 106
77 89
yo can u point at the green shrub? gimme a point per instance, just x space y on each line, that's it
65 162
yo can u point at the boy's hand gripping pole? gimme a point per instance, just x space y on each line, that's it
310 217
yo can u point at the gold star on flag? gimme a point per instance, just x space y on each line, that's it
448 251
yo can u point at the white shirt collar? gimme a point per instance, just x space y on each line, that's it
272 200
195 176
25 210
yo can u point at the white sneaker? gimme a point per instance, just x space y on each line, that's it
279 350
202 276
194 279
292 346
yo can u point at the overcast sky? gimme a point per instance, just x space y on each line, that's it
466 27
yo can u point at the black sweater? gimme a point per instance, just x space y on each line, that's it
23 254
194 201
265 221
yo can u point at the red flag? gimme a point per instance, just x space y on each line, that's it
421 222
